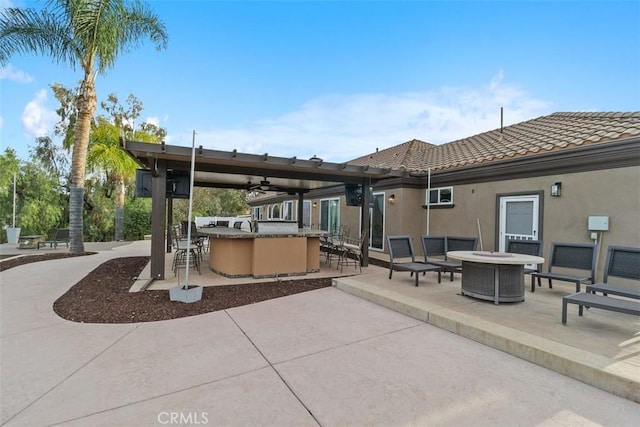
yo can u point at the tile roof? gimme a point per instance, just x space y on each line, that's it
556 131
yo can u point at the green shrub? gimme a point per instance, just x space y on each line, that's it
137 218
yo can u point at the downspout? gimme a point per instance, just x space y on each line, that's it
428 199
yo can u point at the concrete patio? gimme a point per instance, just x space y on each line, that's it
319 358
601 348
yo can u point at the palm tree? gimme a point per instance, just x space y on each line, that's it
85 33
106 155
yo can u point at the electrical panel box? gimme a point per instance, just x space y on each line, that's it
598 223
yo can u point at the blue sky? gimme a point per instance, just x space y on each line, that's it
339 79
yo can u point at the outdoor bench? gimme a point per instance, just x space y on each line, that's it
622 262
574 256
62 235
585 299
607 288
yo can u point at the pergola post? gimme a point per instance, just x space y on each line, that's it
300 210
365 219
169 223
158 209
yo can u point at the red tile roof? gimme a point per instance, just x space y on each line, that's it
556 131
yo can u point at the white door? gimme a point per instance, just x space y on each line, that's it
518 218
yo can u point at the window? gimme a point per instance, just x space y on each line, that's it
306 214
440 196
274 211
257 213
376 221
288 210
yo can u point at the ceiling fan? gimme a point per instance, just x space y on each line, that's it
263 186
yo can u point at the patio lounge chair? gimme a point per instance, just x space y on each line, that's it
569 256
400 247
527 247
62 235
438 246
622 262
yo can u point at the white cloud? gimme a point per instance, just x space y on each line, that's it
37 119
342 127
153 121
10 73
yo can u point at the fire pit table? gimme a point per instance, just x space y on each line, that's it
494 276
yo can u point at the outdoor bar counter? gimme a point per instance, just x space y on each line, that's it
238 253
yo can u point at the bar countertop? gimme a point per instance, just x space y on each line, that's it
234 233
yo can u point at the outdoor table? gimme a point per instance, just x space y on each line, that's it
496 276
29 242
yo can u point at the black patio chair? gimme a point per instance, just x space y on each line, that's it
400 247
526 247
569 262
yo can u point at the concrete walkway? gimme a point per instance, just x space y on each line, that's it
319 358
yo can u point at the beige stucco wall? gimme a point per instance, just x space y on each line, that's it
614 193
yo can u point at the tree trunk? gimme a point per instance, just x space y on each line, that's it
120 191
86 107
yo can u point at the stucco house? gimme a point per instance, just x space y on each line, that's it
541 179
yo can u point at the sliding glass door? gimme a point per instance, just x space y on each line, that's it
330 215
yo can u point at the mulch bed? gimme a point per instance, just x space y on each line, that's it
6 264
103 295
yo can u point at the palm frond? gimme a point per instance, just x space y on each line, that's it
28 30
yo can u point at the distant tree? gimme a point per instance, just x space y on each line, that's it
85 33
52 158
159 133
137 222
105 153
99 215
232 202
212 202
9 167
124 118
41 205
66 112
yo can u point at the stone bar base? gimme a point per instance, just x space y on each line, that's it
258 255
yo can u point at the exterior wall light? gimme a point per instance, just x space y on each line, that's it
315 204
556 189
392 199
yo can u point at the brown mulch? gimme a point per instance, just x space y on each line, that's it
103 295
6 264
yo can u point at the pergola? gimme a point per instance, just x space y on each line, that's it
231 169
